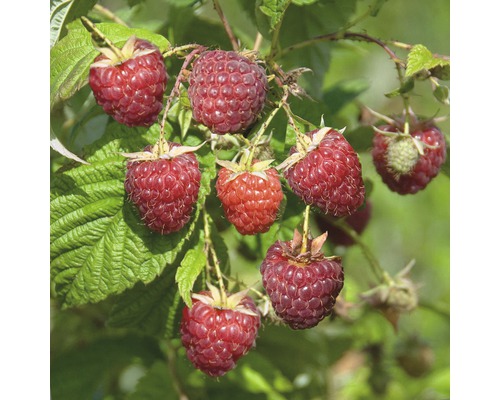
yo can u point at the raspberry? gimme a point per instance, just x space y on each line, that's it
130 87
250 198
327 173
227 91
164 189
215 336
424 168
302 287
357 221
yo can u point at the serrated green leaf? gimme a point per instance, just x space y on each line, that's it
275 10
145 308
191 266
71 57
99 244
80 373
420 58
407 85
64 11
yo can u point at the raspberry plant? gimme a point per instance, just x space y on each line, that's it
260 221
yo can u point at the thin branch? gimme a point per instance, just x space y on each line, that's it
109 14
258 41
225 23
175 91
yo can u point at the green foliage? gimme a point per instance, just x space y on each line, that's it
118 289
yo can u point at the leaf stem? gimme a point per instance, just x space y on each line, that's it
227 27
379 272
100 38
107 13
305 230
175 92
209 246
171 358
261 131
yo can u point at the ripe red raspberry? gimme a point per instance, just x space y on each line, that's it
424 167
165 189
302 287
227 91
357 221
215 336
250 198
326 174
130 87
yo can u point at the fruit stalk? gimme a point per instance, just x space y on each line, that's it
261 131
379 272
227 27
175 92
305 230
98 36
209 248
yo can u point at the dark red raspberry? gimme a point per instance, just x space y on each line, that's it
327 174
130 89
164 190
251 199
357 221
425 167
227 91
302 287
215 337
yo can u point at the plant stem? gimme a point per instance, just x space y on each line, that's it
175 92
305 230
258 41
171 357
381 274
109 14
261 131
276 33
97 36
210 247
225 23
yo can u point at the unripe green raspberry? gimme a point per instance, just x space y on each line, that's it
402 155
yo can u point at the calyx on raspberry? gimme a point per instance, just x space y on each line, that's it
231 302
399 294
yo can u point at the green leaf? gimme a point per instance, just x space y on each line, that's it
99 244
420 58
407 85
147 308
71 57
191 266
343 93
275 10
64 11
61 149
80 373
156 384
303 23
303 2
